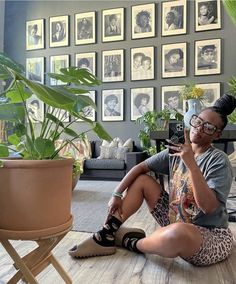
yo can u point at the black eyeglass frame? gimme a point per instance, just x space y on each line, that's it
202 124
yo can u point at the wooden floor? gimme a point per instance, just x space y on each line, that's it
123 267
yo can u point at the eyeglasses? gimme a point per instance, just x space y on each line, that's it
207 127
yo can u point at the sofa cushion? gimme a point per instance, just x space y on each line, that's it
109 164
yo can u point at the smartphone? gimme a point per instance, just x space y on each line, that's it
176 134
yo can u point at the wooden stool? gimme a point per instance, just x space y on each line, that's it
37 260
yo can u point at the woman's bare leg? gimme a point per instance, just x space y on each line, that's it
178 239
144 187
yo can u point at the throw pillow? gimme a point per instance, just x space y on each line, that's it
120 152
107 152
129 144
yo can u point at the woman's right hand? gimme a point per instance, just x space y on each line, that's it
115 204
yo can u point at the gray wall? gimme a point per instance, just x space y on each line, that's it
17 13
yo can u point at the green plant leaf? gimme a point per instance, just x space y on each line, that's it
12 112
8 62
54 119
19 93
101 132
70 132
44 147
20 129
4 152
230 6
14 139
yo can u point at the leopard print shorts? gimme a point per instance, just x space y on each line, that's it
217 243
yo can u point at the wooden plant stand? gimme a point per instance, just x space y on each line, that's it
30 265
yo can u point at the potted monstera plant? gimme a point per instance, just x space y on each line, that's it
35 190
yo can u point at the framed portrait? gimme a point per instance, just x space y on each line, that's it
174 60
113 25
56 63
113 105
142 63
142 100
35 108
35 69
35 34
174 17
86 60
59 31
143 21
211 93
89 111
171 100
85 24
208 57
113 65
207 15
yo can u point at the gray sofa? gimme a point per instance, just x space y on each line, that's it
110 169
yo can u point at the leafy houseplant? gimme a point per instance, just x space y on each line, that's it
41 145
38 186
190 91
152 121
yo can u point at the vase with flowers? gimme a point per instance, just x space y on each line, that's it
194 97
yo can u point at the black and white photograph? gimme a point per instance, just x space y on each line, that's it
59 31
143 21
35 108
207 15
113 105
211 93
208 57
174 60
113 65
113 25
142 100
87 61
85 24
35 34
171 100
56 63
174 17
142 63
89 111
35 69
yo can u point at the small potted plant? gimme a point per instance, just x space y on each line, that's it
35 191
194 97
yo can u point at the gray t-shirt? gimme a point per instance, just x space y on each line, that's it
217 171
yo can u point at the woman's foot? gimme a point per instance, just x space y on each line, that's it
90 248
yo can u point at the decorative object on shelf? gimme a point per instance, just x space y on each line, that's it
194 97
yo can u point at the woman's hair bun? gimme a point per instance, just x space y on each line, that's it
225 104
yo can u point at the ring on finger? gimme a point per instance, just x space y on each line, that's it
179 148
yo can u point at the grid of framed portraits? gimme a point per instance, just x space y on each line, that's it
86 60
35 34
174 17
170 98
207 15
85 28
143 21
208 57
142 63
35 69
56 63
113 65
174 60
59 31
113 105
142 100
113 25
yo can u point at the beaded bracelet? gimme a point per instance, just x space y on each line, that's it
117 194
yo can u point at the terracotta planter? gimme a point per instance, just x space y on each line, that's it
35 197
